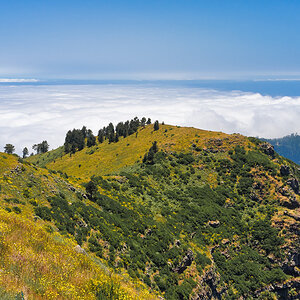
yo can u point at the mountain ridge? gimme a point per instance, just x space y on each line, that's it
187 213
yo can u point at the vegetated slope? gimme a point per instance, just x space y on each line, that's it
287 146
108 158
209 215
40 259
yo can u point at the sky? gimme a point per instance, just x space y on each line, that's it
157 39
33 113
142 40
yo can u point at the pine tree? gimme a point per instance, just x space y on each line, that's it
100 136
156 125
9 149
25 152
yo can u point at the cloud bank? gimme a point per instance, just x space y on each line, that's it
17 80
30 114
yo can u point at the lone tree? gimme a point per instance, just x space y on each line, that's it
9 148
91 190
156 125
25 152
149 157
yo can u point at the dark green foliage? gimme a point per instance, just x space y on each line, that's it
43 212
95 247
100 136
149 157
156 125
91 189
42 147
17 209
25 152
9 149
74 141
266 236
91 139
147 220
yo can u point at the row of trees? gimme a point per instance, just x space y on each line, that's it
122 129
42 147
77 139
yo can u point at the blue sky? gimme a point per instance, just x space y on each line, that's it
149 39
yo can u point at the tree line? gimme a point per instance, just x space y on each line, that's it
42 147
77 139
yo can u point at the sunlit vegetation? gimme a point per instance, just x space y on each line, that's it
167 208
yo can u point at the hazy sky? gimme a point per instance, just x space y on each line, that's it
149 39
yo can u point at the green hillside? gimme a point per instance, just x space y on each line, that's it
108 158
40 259
180 212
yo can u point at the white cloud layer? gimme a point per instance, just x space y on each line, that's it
30 114
17 80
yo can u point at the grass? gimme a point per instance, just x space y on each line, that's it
37 261
108 158
44 267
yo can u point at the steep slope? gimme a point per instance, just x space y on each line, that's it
209 215
287 146
40 259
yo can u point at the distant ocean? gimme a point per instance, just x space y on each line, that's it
274 88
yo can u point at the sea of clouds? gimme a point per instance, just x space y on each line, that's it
33 113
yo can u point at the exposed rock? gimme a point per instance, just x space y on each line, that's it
177 243
225 241
209 286
284 170
292 215
284 191
254 197
81 223
148 231
71 188
121 179
214 224
193 234
294 184
267 149
282 289
291 203
292 264
35 218
80 250
186 262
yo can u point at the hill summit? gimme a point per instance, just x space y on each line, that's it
165 211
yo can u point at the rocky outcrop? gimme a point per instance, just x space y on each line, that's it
186 262
288 290
294 184
209 286
291 202
292 263
80 250
284 170
268 149
214 224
